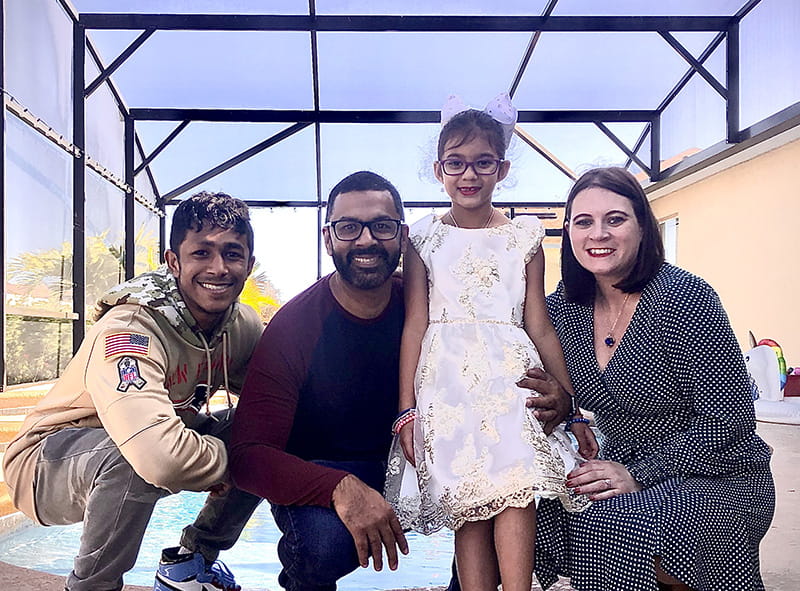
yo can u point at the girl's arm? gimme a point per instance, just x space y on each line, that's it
537 323
540 329
415 288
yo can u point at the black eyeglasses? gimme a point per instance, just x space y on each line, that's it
457 166
349 230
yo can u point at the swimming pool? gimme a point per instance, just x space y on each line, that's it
253 560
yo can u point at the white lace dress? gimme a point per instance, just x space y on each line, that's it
478 448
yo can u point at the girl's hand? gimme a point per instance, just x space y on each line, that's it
406 436
587 442
602 479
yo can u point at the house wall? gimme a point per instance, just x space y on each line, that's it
739 229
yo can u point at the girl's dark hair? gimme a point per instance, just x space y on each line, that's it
467 125
215 209
579 284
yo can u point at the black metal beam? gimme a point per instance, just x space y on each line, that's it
672 94
78 187
130 214
360 23
172 135
655 148
742 12
711 48
523 65
696 65
312 10
99 63
299 116
621 145
149 172
113 66
238 159
732 103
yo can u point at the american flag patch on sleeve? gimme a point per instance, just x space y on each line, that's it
127 343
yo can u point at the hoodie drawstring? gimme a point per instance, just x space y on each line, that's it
224 370
208 371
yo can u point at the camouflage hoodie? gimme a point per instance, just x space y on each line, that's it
142 373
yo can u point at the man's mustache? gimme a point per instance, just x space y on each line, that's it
373 250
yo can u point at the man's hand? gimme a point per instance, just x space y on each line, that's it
553 404
220 489
371 522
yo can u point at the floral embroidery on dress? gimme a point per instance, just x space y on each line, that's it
477 275
474 365
427 366
516 360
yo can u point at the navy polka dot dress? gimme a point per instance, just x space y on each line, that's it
674 406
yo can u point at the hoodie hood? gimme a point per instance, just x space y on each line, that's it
158 291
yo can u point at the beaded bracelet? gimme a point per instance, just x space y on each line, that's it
404 418
574 420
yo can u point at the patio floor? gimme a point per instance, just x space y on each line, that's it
779 548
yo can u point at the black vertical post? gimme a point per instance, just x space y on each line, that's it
320 211
78 187
162 233
732 103
2 200
130 213
655 147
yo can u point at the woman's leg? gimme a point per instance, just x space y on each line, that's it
515 541
667 582
476 560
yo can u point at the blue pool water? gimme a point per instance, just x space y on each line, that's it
253 560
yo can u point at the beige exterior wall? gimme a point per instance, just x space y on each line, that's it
739 229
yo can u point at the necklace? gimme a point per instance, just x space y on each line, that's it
486 225
610 341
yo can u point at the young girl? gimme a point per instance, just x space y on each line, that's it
476 321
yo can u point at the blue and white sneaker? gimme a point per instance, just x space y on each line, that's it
190 572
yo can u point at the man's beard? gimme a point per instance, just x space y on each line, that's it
366 278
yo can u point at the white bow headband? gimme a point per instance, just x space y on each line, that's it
499 108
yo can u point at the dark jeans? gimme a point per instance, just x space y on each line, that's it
82 476
316 549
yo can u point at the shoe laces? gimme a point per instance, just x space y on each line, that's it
220 576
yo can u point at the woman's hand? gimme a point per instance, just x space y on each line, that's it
406 436
587 442
602 479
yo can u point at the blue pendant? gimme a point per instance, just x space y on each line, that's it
609 341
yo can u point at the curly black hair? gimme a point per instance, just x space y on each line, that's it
215 209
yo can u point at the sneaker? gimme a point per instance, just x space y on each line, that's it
190 572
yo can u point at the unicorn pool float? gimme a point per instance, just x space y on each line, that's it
776 391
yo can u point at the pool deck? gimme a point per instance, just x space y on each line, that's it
779 548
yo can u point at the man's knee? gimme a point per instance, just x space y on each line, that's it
316 547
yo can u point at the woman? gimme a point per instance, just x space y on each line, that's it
684 491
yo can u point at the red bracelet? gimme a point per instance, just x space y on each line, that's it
405 417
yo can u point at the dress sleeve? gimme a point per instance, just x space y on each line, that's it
531 233
420 233
711 374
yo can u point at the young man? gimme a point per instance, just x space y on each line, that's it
124 425
313 427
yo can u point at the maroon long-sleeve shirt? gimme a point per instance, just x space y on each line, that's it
322 385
